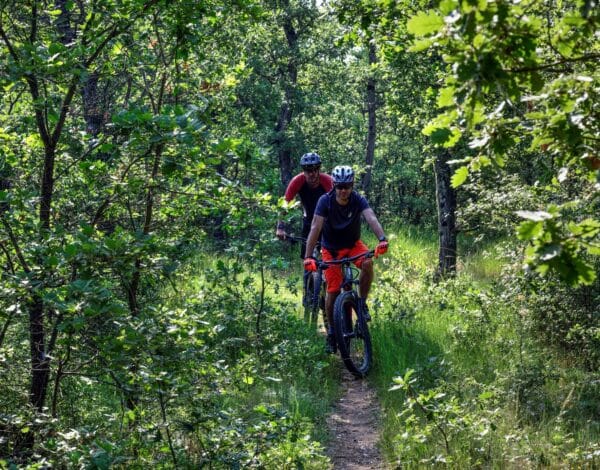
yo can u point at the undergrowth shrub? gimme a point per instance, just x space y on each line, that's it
224 376
445 425
565 317
496 380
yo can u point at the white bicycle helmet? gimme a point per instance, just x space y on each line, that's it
343 174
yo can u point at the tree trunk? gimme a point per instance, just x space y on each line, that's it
283 153
372 132
93 111
286 110
446 206
40 364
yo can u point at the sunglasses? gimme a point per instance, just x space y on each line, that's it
343 186
311 169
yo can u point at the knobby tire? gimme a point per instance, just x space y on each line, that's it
352 335
311 298
314 300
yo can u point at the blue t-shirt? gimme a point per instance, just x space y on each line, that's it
342 225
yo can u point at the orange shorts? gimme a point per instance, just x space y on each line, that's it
333 274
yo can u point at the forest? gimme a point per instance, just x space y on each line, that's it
149 317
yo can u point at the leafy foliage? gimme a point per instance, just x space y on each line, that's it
522 75
144 317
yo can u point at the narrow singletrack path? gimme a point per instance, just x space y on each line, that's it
354 428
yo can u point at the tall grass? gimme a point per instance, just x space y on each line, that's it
484 391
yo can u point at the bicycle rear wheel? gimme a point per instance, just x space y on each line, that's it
352 335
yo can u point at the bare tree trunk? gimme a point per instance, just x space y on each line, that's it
446 205
372 132
93 111
40 364
283 153
286 110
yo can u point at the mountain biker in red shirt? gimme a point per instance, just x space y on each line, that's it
309 186
337 216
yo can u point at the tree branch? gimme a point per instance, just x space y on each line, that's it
15 244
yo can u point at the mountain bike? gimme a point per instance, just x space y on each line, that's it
350 324
313 294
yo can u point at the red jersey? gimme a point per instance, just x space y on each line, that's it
308 196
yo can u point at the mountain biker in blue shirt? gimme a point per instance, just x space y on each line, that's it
338 217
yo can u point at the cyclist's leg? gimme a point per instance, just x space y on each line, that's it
366 278
307 274
305 232
329 302
333 280
366 268
366 275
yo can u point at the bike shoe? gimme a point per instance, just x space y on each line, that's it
330 345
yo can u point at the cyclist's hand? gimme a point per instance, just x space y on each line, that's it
310 264
280 234
381 248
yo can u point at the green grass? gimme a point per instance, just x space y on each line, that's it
465 340
482 377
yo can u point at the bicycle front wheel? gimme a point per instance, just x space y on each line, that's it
352 334
310 298
315 296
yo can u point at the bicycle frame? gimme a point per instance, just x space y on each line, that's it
352 335
348 270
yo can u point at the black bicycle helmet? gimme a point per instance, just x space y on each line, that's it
342 174
310 159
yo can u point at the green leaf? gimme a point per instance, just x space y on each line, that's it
460 176
440 136
529 230
55 48
425 23
421 44
585 273
447 6
478 41
446 97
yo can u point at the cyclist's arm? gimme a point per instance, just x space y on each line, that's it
290 193
371 219
315 231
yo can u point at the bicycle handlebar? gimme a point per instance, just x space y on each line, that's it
294 238
366 254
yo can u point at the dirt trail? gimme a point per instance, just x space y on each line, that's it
353 426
